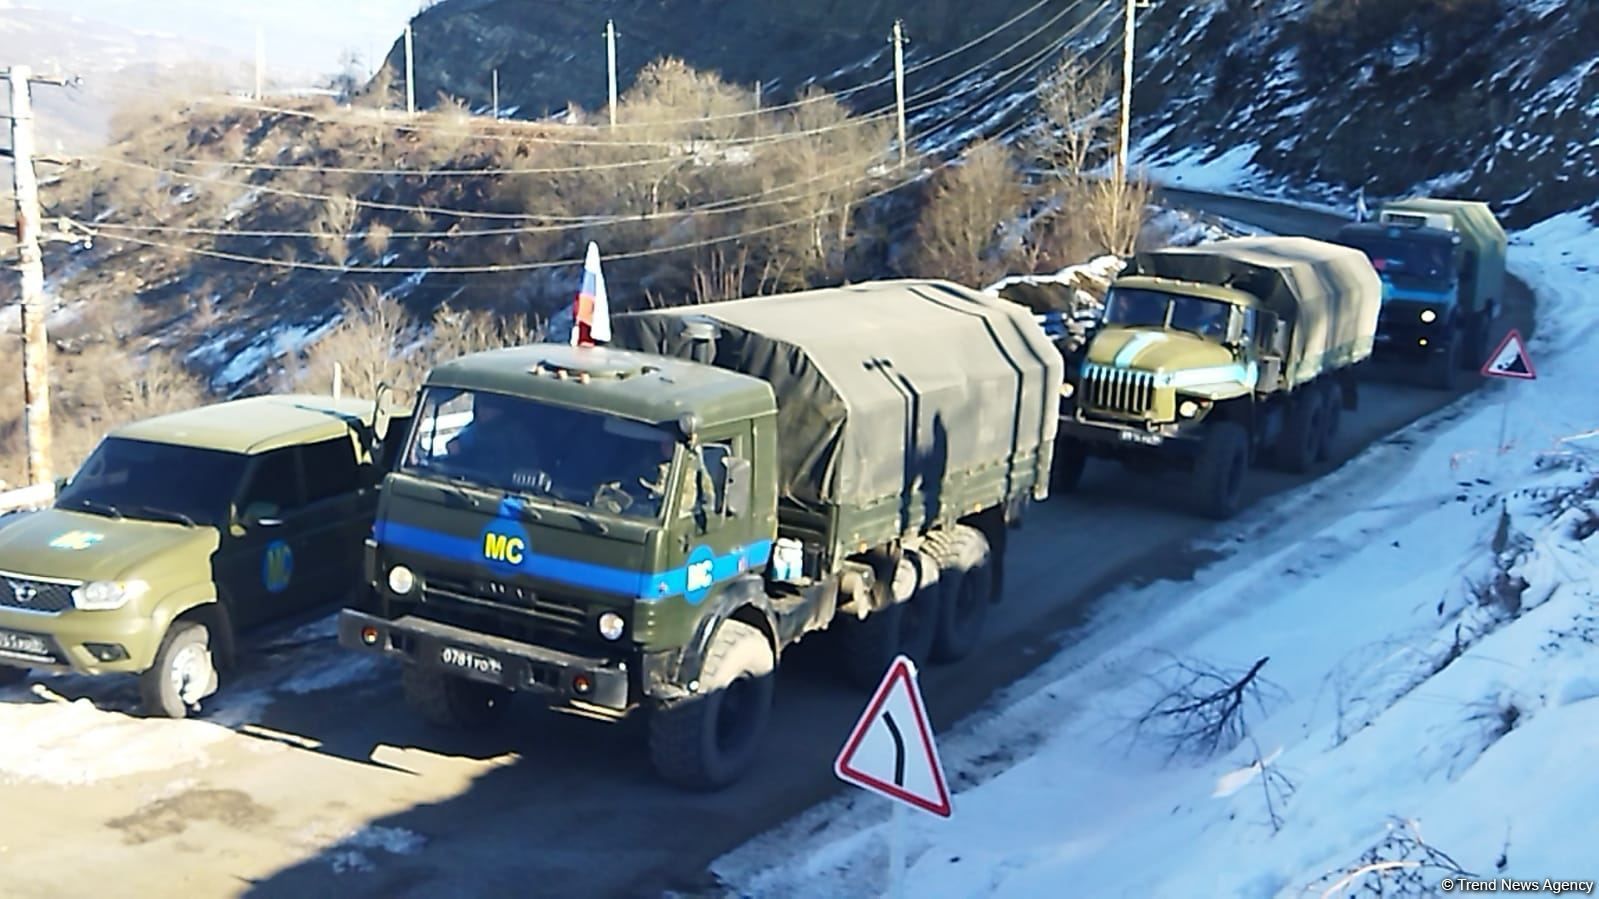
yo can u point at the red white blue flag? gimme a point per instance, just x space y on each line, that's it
591 312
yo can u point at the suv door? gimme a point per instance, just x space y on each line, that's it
340 498
256 564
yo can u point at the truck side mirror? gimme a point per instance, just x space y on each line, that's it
737 488
61 484
1235 329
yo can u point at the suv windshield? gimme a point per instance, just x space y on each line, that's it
1426 262
522 446
1136 307
156 482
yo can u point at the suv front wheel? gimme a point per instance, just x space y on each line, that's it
183 674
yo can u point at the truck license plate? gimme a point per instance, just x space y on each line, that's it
467 660
10 641
1142 438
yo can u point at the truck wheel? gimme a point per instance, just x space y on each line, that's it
10 677
1297 446
1474 352
1219 472
966 592
1332 407
184 672
919 621
708 740
1443 368
445 700
1066 471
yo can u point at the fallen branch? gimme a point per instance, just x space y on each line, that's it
1204 709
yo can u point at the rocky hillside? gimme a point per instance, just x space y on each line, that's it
1491 98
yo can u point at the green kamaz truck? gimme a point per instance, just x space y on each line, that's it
1209 357
1442 264
647 526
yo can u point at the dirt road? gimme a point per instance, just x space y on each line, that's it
328 787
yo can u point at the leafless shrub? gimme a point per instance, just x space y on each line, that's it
1401 864
333 224
377 239
958 234
1203 709
369 344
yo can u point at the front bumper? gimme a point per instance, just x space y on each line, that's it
1401 334
494 660
66 636
1118 438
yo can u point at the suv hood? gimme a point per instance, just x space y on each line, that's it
56 543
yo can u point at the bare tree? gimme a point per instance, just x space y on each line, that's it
1401 864
958 232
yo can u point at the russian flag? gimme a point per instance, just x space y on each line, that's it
591 311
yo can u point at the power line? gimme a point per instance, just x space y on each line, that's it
530 266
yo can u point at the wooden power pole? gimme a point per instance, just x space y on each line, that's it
898 40
30 264
610 64
1129 28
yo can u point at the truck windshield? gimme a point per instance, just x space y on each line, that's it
156 482
1135 307
522 446
1423 262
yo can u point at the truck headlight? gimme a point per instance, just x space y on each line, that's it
1188 409
401 580
103 596
1066 389
1428 316
611 626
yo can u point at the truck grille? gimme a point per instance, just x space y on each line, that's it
1118 390
34 595
547 616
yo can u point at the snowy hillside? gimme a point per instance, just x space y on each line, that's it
1428 705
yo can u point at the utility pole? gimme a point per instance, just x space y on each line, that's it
496 93
1127 87
898 40
610 59
35 344
260 61
758 86
410 74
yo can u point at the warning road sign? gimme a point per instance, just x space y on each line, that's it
891 751
1510 360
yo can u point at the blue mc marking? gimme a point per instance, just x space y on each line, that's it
640 585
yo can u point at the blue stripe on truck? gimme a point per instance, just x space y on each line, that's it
635 584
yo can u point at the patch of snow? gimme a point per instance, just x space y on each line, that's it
347 851
1206 170
1404 701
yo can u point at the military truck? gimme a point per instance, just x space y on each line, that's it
183 531
646 526
1442 264
1209 357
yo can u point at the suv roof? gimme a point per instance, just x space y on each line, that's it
254 425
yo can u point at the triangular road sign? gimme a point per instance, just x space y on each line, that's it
1510 360
891 750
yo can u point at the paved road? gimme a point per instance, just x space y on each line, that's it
552 805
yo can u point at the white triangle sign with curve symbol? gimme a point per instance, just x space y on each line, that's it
1510 360
891 751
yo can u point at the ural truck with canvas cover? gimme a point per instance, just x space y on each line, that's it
1442 264
646 526
1207 357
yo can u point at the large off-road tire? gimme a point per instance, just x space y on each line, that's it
184 672
918 626
1302 432
1442 368
965 593
1332 416
709 740
1066 471
866 647
445 700
1219 471
1474 354
10 677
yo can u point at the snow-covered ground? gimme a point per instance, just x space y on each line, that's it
1428 706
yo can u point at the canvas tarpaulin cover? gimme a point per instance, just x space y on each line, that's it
881 387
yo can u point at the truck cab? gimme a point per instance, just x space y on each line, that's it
562 521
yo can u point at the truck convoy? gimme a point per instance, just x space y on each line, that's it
1209 357
1442 264
647 526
